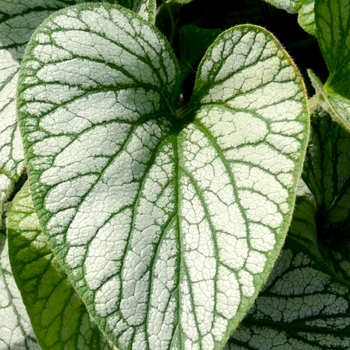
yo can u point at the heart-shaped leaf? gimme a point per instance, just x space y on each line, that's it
57 314
167 226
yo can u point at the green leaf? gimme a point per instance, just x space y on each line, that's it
57 314
306 17
333 32
302 306
332 103
291 6
167 226
16 330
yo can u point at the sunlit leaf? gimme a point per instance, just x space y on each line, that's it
168 223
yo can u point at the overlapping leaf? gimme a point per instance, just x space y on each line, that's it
333 32
168 227
6 188
15 329
58 316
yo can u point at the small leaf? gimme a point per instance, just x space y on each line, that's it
332 103
57 314
167 226
16 330
291 6
333 32
306 17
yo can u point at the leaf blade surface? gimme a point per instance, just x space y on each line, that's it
136 202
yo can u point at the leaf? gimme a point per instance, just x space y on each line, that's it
333 24
306 17
167 226
57 314
16 331
333 32
291 6
18 21
302 306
